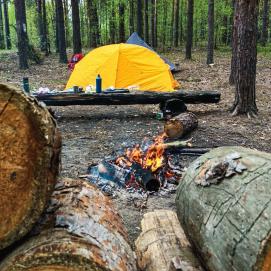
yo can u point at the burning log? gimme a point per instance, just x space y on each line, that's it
29 149
224 206
162 245
181 125
79 231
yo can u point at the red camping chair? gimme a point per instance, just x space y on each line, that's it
74 59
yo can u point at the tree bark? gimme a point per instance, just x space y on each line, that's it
153 23
112 25
140 97
29 150
40 24
21 29
77 45
245 96
132 16
146 20
121 22
46 41
139 22
80 230
162 244
7 30
2 37
181 125
211 31
61 31
189 35
265 23
229 223
176 23
93 24
232 79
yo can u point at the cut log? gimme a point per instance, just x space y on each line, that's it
228 221
163 246
135 97
29 159
79 231
181 125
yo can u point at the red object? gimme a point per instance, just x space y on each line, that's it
74 59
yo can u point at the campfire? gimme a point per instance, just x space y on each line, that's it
144 167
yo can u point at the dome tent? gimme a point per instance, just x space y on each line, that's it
122 66
135 39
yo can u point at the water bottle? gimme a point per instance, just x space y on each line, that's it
26 85
98 84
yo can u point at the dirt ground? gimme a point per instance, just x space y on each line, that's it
91 133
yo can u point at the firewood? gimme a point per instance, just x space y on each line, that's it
163 246
80 230
181 125
135 97
29 149
224 206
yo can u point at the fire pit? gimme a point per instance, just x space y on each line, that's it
148 167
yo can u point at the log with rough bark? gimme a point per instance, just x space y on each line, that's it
135 97
163 246
80 230
29 159
181 125
224 206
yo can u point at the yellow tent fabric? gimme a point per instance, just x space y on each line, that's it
122 66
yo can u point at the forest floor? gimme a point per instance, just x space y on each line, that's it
91 133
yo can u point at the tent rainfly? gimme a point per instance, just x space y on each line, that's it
135 39
123 66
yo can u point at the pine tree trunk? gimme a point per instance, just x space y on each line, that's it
77 46
154 24
45 30
132 16
61 31
66 22
121 22
2 37
112 25
211 30
189 35
93 24
181 23
7 30
40 24
21 33
265 23
146 20
245 97
228 222
232 79
176 23
139 22
29 149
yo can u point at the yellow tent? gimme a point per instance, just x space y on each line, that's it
122 66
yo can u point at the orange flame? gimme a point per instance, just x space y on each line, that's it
153 159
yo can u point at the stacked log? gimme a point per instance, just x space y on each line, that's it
224 206
163 246
80 230
181 125
29 149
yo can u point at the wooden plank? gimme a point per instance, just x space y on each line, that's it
135 97
162 245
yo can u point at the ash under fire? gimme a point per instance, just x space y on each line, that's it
146 167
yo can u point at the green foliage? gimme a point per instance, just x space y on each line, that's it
109 10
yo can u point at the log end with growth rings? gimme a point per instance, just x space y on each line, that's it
29 156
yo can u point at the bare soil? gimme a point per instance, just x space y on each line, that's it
91 133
